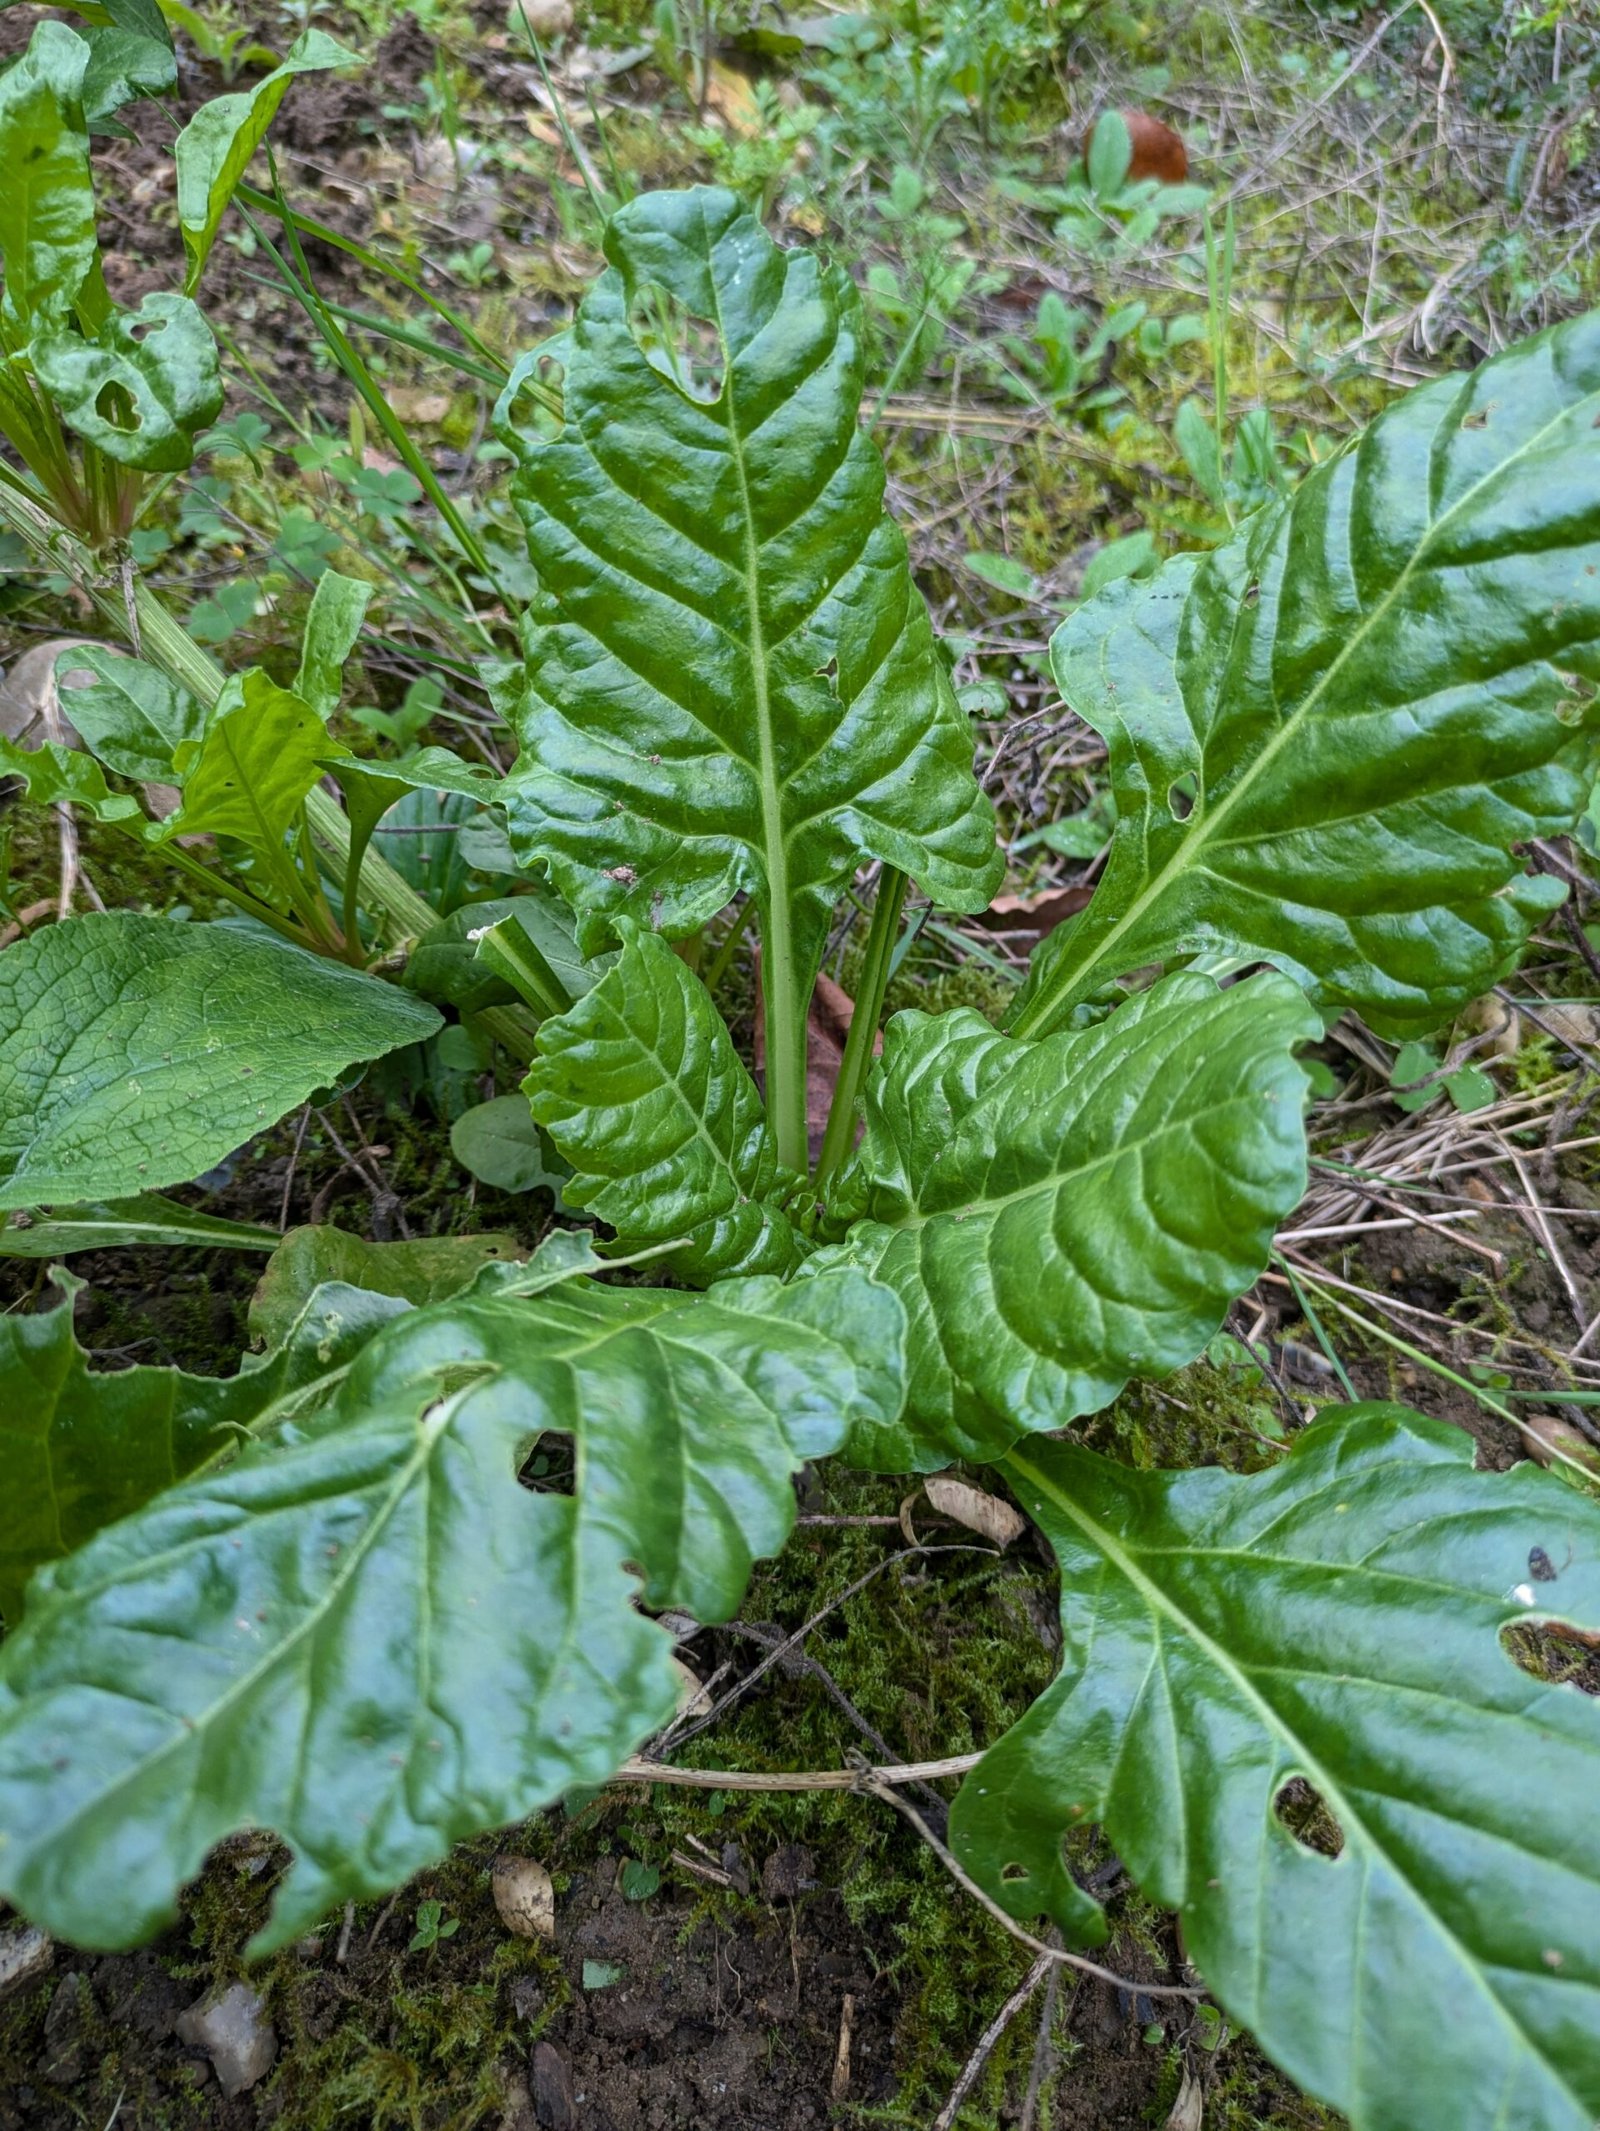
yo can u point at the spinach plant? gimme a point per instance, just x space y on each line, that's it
314 1597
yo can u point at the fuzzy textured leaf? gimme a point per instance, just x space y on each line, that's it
143 387
1328 738
1058 1217
731 679
641 1090
1338 1619
370 1638
136 1052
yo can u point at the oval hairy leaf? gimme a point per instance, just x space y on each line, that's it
136 1052
1338 1619
731 679
1328 738
1058 1217
370 1638
641 1090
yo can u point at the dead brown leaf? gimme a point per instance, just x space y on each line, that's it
987 1515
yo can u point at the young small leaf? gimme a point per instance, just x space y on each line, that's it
1059 1217
261 751
136 1052
113 1224
422 1270
214 150
642 1091
370 1638
1337 1619
333 624
1330 738
499 1143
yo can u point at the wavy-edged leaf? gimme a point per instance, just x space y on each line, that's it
368 1637
641 1090
214 150
247 775
46 196
1328 738
130 714
420 1270
84 1448
1338 1619
136 1052
731 678
143 387
55 775
1059 1217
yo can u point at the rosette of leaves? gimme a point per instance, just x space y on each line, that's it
358 1628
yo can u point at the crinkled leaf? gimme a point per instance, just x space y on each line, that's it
111 1224
214 150
248 774
420 1270
1338 1619
641 1090
85 1447
333 625
56 775
1059 1217
1328 738
136 1052
731 679
130 714
47 221
143 388
368 1637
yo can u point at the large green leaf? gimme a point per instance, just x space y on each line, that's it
1337 1619
641 1090
84 1447
136 1052
214 150
368 1637
731 678
47 225
143 387
1058 1217
1329 738
130 715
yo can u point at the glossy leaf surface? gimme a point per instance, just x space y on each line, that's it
1327 738
143 387
136 1052
1339 1619
641 1090
370 1638
1061 1216
214 150
47 222
130 715
731 679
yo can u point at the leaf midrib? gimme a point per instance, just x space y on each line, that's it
1186 852
1321 1778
